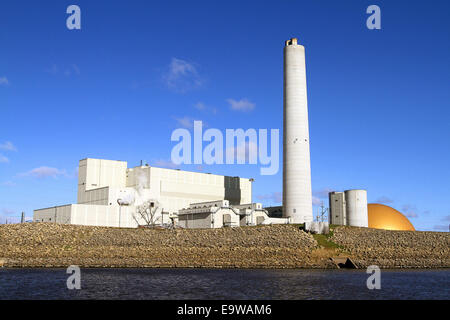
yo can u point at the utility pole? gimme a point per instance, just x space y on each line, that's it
22 220
321 211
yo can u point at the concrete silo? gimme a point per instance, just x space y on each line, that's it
297 197
337 207
356 208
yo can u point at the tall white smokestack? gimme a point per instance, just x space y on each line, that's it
297 197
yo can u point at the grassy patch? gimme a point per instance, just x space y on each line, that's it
324 241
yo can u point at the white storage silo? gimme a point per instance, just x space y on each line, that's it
297 197
356 208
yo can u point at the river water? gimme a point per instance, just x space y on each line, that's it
223 284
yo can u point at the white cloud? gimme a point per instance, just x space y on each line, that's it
4 81
203 107
384 200
7 211
44 172
276 197
410 211
181 67
185 122
188 122
73 69
316 201
241 105
166 164
3 159
200 106
53 70
9 183
322 193
411 214
441 228
8 146
182 76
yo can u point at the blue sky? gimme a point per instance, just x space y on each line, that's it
379 100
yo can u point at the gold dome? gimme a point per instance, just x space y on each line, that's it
385 217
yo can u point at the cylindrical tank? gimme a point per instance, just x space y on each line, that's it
356 208
297 197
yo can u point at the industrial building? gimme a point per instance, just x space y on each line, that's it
387 218
214 214
110 194
348 208
218 214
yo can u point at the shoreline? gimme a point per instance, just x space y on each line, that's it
47 245
223 268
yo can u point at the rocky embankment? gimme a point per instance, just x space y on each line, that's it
52 245
282 246
395 249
